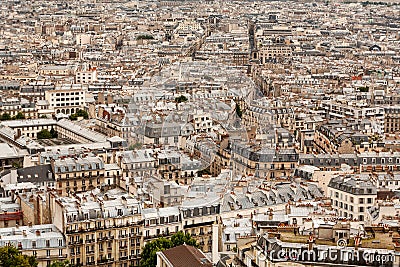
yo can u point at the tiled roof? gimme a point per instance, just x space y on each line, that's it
184 256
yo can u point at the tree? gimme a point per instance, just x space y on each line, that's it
181 238
79 113
44 134
149 256
5 117
20 116
238 111
53 133
12 257
136 145
181 99
61 264
82 113
149 253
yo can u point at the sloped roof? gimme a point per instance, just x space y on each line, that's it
184 256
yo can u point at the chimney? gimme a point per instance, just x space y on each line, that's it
288 209
215 243
124 201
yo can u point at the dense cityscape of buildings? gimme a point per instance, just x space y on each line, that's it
268 131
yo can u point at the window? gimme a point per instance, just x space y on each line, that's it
361 201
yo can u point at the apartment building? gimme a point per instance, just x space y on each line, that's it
164 193
74 175
202 122
222 161
199 212
352 195
67 99
65 129
336 110
138 162
57 70
263 161
160 222
379 161
10 156
176 166
101 228
86 76
36 90
11 213
392 119
269 52
45 242
167 134
30 128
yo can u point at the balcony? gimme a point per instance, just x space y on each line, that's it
124 258
88 252
55 257
105 261
89 240
71 231
78 242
